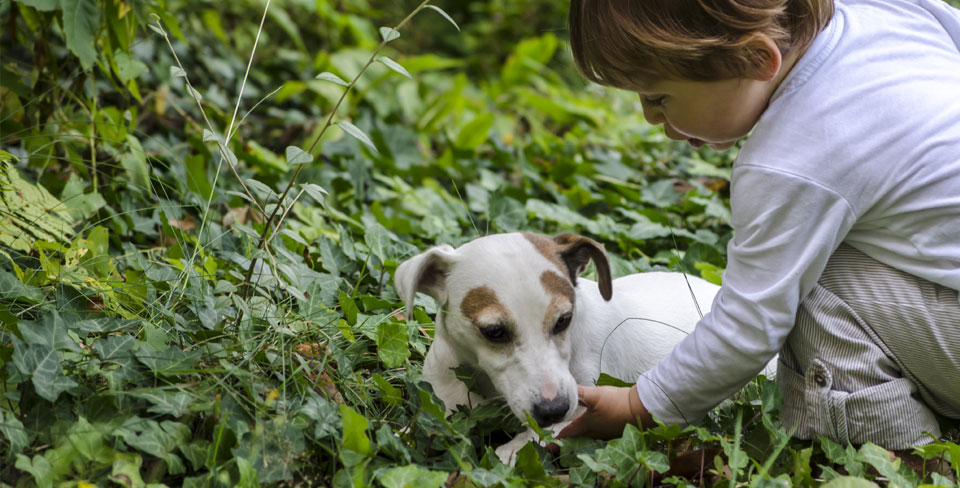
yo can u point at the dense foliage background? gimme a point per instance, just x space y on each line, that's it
204 298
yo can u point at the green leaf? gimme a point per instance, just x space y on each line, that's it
444 14
390 393
348 306
528 463
86 438
315 191
11 288
834 452
849 482
51 332
39 467
134 162
295 155
328 76
41 5
162 402
354 431
607 380
81 20
42 364
389 33
114 347
392 343
355 132
394 66
475 132
654 461
128 68
412 476
14 431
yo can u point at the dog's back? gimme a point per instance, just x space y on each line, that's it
648 314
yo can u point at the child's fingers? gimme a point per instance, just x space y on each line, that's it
588 396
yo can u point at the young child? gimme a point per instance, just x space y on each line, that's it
845 201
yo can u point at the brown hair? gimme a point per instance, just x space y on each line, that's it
625 42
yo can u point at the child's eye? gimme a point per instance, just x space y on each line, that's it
652 101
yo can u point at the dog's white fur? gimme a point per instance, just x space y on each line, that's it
537 370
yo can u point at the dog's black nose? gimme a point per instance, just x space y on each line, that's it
549 412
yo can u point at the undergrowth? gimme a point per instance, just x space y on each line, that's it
203 205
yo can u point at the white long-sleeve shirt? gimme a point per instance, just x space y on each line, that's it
860 143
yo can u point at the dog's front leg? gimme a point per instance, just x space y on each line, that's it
438 370
508 452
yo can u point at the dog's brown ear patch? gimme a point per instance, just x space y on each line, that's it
572 253
546 247
576 251
481 301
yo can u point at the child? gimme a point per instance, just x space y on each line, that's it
845 202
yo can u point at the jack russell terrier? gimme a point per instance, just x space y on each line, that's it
513 308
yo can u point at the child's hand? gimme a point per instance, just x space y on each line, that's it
609 409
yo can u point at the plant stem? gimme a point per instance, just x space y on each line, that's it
293 179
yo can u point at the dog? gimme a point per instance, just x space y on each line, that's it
513 308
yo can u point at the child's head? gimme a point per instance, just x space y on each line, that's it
622 43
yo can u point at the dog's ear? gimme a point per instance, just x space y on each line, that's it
576 251
427 273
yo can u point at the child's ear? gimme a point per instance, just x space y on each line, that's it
769 58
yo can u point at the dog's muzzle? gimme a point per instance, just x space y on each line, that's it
549 412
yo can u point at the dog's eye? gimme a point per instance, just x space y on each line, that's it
562 323
496 333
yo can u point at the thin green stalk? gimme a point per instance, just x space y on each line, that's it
293 179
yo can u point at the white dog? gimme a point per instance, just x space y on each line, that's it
511 307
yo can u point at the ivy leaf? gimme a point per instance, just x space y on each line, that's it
50 332
295 155
475 132
41 5
354 431
162 402
42 364
413 476
14 431
349 307
39 467
358 134
328 76
444 14
392 343
389 33
128 68
850 482
394 66
114 347
134 162
316 192
12 288
81 20
390 394
654 461
209 136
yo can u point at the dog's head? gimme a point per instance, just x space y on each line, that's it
507 303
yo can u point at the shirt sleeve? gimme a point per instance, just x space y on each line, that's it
785 229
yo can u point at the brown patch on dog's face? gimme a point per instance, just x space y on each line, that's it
480 301
556 285
482 307
561 299
546 247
